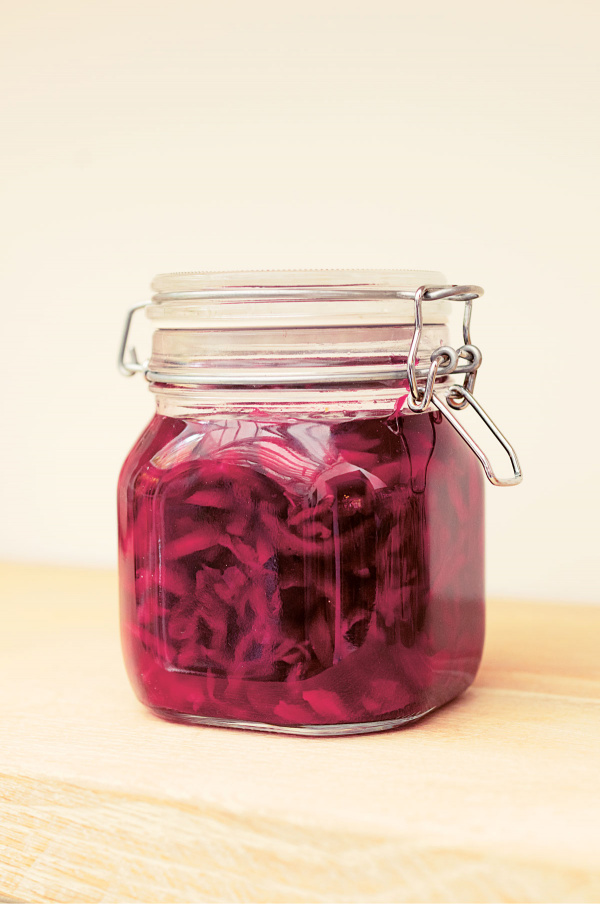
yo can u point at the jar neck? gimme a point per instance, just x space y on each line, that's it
322 403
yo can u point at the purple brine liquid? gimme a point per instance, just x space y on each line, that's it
303 573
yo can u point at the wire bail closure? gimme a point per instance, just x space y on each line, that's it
444 361
133 366
459 397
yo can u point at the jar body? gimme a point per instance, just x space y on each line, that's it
312 574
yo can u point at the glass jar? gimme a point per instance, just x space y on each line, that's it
301 523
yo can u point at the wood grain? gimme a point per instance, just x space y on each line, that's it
496 797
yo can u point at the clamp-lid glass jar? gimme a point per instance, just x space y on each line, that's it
301 523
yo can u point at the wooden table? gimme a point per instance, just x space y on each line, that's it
496 797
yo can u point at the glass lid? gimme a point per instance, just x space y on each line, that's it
280 298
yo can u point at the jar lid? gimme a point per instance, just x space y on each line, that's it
209 302
280 298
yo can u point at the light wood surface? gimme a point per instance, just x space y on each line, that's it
496 797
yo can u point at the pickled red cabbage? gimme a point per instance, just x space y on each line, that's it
306 573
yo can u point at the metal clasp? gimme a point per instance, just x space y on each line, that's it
459 396
133 366
445 356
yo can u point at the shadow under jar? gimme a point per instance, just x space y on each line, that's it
301 548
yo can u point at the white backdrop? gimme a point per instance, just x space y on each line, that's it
141 137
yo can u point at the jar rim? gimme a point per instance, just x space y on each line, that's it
205 280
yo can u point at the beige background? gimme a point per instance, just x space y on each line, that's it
146 137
